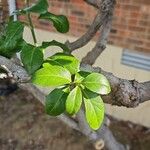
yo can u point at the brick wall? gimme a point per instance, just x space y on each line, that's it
131 22
3 10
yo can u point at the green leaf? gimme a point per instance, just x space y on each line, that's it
97 83
79 77
55 102
11 39
89 94
67 61
40 7
74 101
55 43
94 108
60 22
51 76
32 58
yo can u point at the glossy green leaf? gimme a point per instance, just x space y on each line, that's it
55 43
94 110
89 94
32 58
60 22
79 77
74 101
55 102
97 83
11 39
67 61
40 7
51 76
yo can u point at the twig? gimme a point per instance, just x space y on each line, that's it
105 8
91 56
89 34
93 3
31 24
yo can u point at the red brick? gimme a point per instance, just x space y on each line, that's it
130 27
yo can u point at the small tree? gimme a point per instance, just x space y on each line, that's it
81 88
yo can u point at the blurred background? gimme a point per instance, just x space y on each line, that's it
127 56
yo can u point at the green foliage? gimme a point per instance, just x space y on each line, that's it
51 76
32 58
67 61
97 83
60 70
94 108
40 7
55 43
55 102
60 22
74 101
11 40
80 76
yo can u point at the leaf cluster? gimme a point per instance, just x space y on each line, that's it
73 88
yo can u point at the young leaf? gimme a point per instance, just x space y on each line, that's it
74 101
40 7
55 102
32 58
51 76
89 94
79 77
11 39
60 22
55 43
67 61
94 108
97 83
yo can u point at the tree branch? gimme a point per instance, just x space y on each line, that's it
91 56
84 127
128 93
109 140
97 136
94 3
18 73
40 96
88 35
106 6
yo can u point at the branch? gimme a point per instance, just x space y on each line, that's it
31 24
81 126
91 56
128 93
88 35
110 142
92 135
40 96
105 8
94 3
18 73
102 137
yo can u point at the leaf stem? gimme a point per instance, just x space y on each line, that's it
31 24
